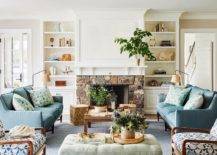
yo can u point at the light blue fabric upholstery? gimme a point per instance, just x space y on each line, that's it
40 117
175 116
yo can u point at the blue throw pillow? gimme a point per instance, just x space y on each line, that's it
177 95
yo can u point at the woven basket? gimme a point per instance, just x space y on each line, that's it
77 113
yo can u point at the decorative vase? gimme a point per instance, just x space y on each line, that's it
127 134
99 109
139 60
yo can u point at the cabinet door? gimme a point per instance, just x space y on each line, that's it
68 99
151 100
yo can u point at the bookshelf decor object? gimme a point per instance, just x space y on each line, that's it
59 54
163 45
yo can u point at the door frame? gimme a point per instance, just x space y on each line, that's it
200 30
18 31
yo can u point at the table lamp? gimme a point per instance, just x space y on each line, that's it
176 79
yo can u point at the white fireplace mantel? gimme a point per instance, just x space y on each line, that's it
110 70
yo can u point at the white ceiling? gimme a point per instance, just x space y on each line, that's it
29 6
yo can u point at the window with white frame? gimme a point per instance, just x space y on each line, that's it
15 57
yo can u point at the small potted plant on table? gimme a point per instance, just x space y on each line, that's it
126 124
99 96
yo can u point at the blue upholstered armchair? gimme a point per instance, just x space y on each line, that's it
176 116
44 117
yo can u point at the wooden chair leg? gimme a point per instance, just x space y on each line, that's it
44 151
52 129
166 127
61 118
158 117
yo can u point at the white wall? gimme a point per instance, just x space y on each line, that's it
97 31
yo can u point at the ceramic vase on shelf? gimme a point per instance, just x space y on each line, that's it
127 134
139 60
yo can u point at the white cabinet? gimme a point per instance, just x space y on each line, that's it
151 98
68 95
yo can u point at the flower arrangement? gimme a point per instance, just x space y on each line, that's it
128 123
99 95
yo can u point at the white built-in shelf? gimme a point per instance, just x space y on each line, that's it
163 33
59 47
62 76
159 61
47 61
159 75
59 33
162 47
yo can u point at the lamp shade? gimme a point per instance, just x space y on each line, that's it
176 79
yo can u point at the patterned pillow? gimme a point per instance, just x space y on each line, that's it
41 97
213 131
20 103
194 102
177 95
2 131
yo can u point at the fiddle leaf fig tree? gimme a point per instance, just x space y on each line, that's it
136 45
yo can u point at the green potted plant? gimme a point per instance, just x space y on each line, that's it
126 124
136 45
99 95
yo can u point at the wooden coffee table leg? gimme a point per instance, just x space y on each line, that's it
85 126
89 124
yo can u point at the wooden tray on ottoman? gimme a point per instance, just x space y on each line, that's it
139 137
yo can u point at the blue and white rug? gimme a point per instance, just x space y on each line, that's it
55 140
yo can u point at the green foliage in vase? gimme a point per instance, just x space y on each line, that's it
99 95
130 121
136 44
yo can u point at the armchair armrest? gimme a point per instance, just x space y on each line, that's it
198 118
184 129
161 97
12 118
27 142
184 146
58 99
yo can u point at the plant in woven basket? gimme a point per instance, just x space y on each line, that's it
128 123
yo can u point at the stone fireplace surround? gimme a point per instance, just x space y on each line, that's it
135 83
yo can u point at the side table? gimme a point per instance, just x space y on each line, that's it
77 113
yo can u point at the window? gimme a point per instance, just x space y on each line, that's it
15 51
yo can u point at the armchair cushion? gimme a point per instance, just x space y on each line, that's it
213 130
41 97
166 108
38 141
177 95
21 103
22 92
7 99
194 102
2 130
193 147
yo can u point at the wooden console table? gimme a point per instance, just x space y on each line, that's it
91 116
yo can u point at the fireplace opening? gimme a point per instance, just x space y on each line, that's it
121 93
